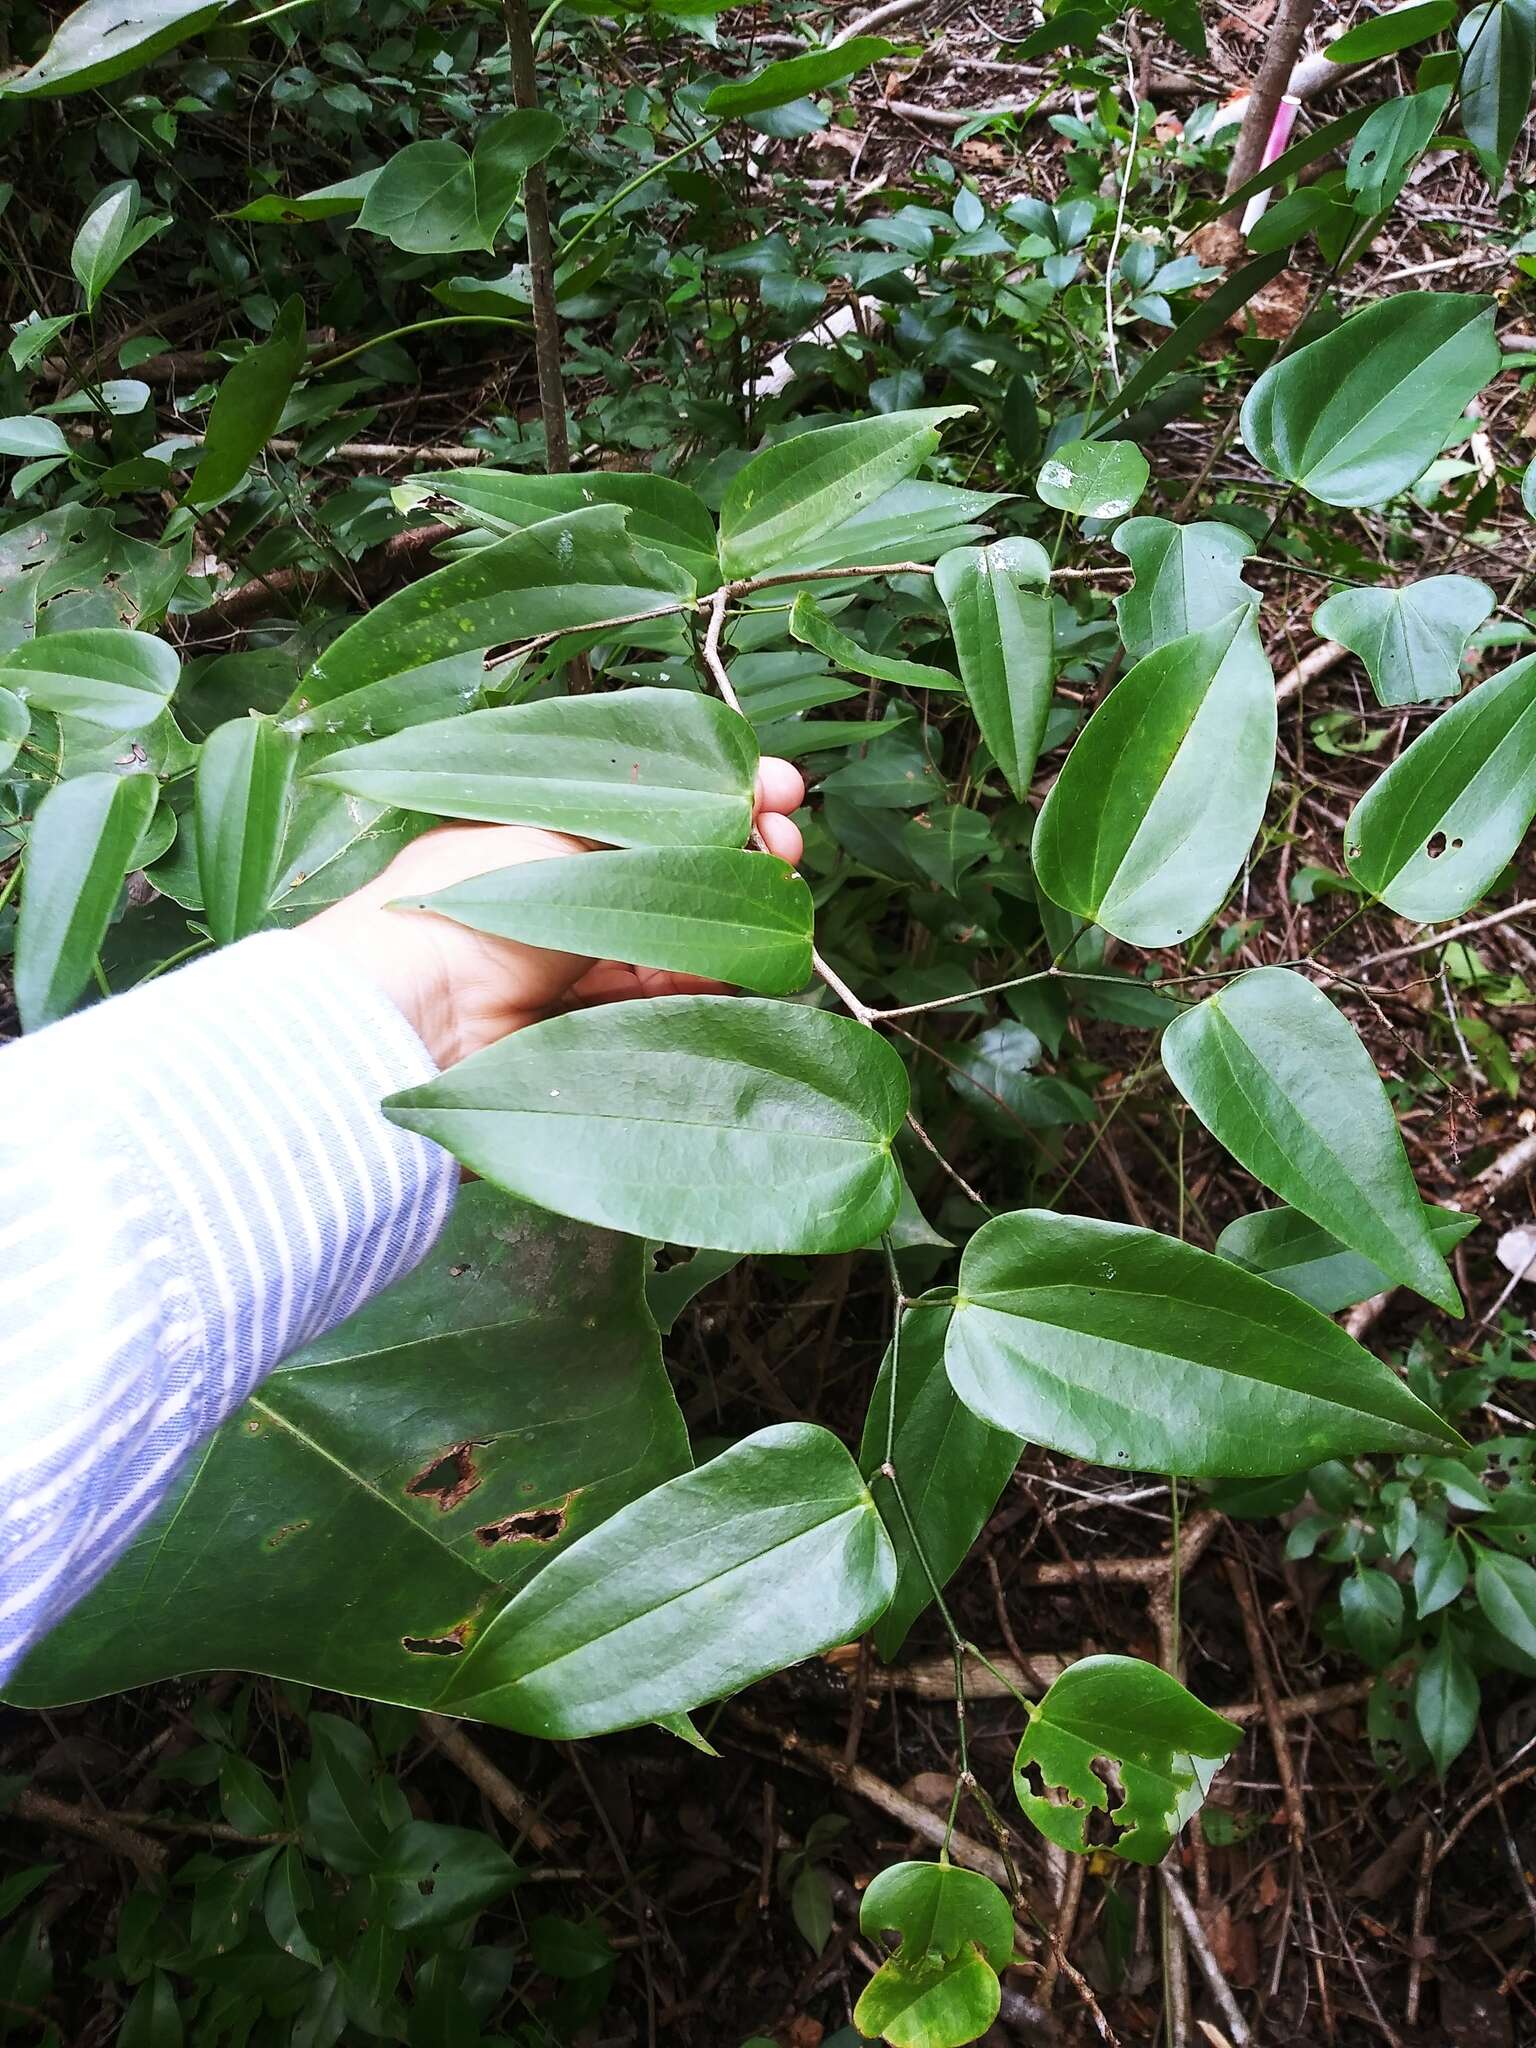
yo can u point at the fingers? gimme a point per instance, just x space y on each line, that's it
781 835
780 786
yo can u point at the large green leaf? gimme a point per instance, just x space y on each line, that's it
1506 1592
1297 1254
643 768
247 409
1094 479
951 1467
108 236
84 839
114 678
244 784
1129 1348
712 910
391 1486
1437 829
1153 813
572 570
745 1125
770 1553
791 494
1280 1077
1395 28
810 624
1166 1748
1187 577
913 521
1389 145
776 85
1412 639
1359 415
434 198
1445 1702
940 1989
663 514
106 39
999 605
1498 46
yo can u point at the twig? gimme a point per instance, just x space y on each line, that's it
1523 908
1325 656
1420 1921
1210 1969
876 17
514 1806
103 1829
1258 1657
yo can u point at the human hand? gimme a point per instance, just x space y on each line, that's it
461 990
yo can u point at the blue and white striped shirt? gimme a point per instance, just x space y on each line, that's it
195 1180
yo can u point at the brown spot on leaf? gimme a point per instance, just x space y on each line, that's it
447 1479
280 1536
533 1525
1436 845
450 1645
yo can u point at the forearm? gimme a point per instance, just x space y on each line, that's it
196 1181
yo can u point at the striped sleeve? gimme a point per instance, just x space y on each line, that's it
195 1180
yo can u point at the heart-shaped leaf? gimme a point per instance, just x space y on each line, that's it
434 198
1187 577
940 1989
1411 640
1094 479
999 605
1129 1348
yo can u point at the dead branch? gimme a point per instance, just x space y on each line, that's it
514 1805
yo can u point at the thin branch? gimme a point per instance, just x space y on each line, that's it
1523 908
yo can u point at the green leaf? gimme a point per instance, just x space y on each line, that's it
106 39
434 1876
247 409
940 1989
1359 415
768 1554
1129 1348
1506 1592
1398 28
26 434
776 85
326 202
1094 479
108 236
732 916
153 2018
390 1487
119 680
663 514
1412 639
1212 315
15 723
1440 1569
1154 811
1165 1746
244 785
950 1465
796 491
1371 1603
1528 487
84 839
1445 1703
999 605
809 624
1187 578
1297 1254
434 198
642 768
287 1895
1498 46
669 1291
567 572
1390 144
745 1125
1280 1078
1433 833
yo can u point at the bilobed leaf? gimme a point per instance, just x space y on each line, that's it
776 85
1498 46
392 1485
106 39
1293 1252
732 916
1396 28
809 624
84 839
1094 479
1280 1078
1445 1702
1153 813
1117 1344
999 605
1390 144
642 768
951 1468
1359 415
247 409
1187 577
1437 829
434 198
1412 639
769 1553
930 2002
569 571
108 236
663 514
244 782
1506 1592
1165 1746
745 1125
15 723
326 202
117 679
939 1990
789 495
